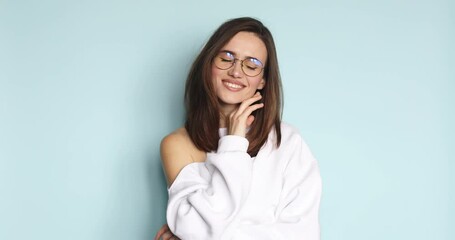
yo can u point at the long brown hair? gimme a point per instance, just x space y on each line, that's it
202 104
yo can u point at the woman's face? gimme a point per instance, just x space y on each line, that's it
232 85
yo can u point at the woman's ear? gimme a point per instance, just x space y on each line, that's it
261 84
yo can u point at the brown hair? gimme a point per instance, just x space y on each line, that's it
201 101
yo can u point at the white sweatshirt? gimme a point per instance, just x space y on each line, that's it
231 195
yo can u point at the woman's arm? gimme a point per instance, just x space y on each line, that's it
204 198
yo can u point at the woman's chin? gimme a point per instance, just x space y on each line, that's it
230 101
230 104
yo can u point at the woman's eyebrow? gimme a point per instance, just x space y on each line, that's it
233 53
228 51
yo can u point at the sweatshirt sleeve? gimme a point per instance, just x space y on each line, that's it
297 213
205 198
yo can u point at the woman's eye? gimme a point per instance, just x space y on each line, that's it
226 60
253 63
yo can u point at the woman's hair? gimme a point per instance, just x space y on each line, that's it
202 104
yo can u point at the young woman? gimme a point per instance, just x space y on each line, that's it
235 171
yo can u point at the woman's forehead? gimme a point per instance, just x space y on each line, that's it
246 44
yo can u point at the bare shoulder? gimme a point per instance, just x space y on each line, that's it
178 137
177 151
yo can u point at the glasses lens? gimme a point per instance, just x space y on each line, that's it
252 67
224 60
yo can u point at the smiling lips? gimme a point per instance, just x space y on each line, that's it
233 85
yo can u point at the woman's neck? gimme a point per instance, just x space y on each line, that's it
225 112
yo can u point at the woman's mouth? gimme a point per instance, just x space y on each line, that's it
232 85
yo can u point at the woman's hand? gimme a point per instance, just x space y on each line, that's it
165 234
241 118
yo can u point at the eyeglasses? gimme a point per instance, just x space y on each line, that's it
250 66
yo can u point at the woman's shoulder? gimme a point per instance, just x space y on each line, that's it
289 131
178 136
291 136
180 141
177 151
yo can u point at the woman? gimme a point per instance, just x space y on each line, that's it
235 171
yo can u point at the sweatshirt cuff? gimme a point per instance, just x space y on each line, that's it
232 143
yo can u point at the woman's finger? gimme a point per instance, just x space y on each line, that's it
249 120
249 110
167 235
160 232
247 103
238 124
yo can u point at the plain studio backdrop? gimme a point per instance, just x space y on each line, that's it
89 88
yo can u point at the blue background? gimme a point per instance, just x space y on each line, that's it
89 88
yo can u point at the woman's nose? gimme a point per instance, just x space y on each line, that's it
236 70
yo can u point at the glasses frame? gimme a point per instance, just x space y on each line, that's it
234 60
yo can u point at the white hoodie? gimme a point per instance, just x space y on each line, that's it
275 195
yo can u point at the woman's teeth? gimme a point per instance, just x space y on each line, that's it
232 85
